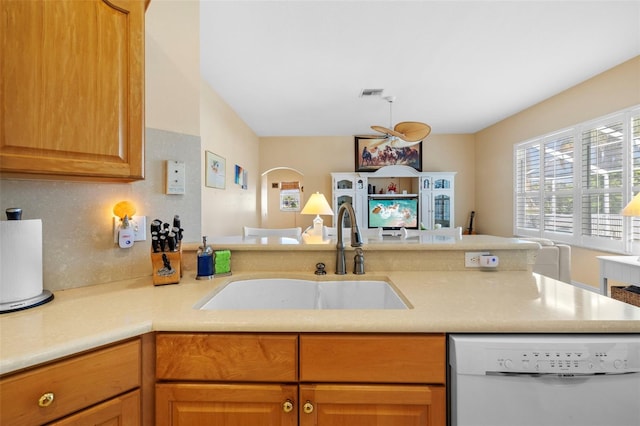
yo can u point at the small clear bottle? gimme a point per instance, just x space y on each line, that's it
205 261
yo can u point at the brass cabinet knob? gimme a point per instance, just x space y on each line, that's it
287 406
307 407
46 399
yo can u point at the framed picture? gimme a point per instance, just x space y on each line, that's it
241 177
214 170
290 201
373 152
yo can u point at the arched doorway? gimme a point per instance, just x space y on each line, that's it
278 206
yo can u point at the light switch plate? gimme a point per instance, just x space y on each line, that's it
175 177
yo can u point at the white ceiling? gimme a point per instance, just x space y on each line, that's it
296 68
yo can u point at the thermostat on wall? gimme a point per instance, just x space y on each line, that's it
175 177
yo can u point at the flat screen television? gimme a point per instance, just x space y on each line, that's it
393 212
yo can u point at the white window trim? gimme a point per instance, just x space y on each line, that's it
626 244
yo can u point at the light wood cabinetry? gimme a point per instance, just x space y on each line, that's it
237 360
182 404
360 379
307 379
364 405
122 410
106 380
72 89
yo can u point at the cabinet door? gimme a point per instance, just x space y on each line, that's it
442 206
226 404
72 88
360 405
123 410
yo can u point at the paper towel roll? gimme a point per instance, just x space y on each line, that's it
20 259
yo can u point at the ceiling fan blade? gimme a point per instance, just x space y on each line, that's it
412 131
387 131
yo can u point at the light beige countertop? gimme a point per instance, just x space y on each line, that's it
442 301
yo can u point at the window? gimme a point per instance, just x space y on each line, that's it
571 185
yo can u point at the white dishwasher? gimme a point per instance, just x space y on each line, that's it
544 379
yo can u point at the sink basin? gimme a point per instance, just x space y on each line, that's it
286 293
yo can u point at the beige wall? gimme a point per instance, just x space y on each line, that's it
317 157
226 211
606 93
172 63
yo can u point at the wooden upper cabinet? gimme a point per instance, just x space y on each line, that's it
72 89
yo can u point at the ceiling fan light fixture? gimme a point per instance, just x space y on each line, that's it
409 131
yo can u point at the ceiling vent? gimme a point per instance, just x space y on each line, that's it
371 92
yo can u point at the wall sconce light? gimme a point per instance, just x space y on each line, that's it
126 227
318 205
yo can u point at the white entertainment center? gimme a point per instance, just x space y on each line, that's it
430 193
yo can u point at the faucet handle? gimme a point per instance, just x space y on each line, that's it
320 269
358 262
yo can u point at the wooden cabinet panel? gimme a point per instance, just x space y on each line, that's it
389 358
364 405
229 357
123 410
226 404
74 383
72 88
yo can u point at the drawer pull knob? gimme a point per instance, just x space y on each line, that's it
287 406
46 399
307 407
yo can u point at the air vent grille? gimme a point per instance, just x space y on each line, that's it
371 92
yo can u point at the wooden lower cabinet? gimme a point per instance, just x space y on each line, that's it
185 404
87 389
123 410
360 405
307 379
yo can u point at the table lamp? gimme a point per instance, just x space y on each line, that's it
633 208
318 205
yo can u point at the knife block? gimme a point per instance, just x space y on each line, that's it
167 266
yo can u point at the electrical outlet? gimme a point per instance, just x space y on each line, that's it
139 224
472 258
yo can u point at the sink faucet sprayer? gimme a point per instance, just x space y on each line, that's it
356 241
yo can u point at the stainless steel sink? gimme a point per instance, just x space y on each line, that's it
286 293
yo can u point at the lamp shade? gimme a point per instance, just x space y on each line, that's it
318 205
633 208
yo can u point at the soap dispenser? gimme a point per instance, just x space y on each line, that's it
205 261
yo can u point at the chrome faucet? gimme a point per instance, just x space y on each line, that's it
356 241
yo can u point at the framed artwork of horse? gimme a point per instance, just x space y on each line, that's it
373 152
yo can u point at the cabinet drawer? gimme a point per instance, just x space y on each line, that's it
75 383
372 359
227 357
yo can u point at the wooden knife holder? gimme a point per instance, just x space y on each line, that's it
167 266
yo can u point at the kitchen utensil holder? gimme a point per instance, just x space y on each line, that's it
624 295
167 266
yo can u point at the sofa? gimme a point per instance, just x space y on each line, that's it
552 260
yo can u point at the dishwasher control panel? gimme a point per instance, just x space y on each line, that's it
565 360
546 354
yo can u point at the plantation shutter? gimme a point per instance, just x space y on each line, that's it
527 197
602 184
558 184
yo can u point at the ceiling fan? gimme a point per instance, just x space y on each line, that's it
408 131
